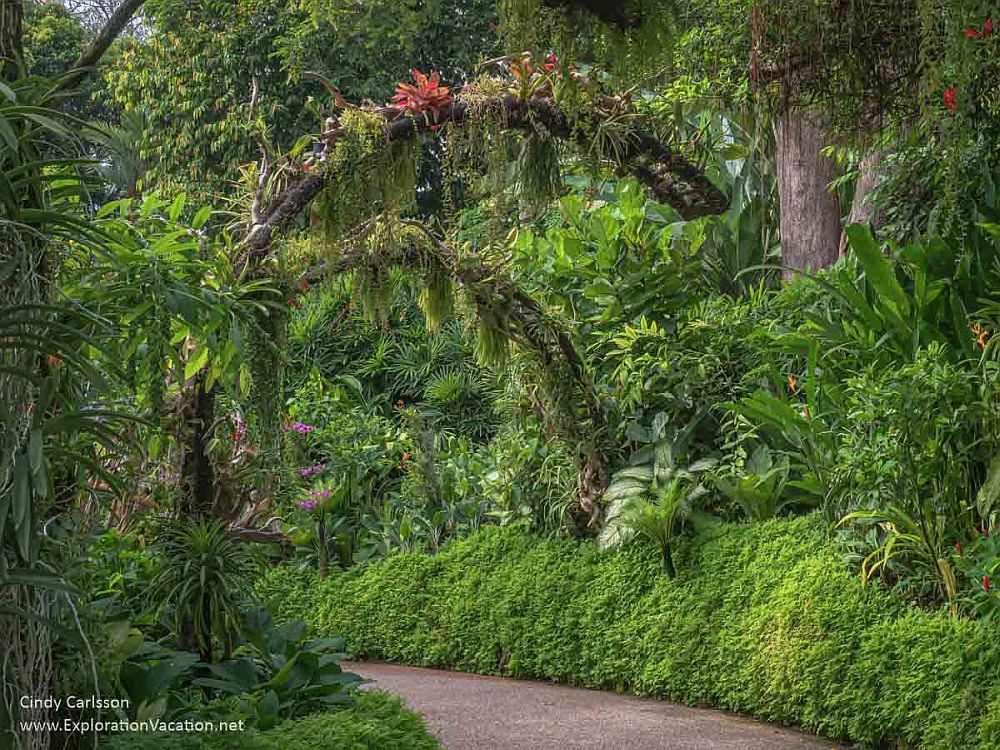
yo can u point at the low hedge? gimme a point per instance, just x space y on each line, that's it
374 721
764 620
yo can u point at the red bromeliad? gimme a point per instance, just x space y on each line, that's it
950 97
986 583
427 95
985 33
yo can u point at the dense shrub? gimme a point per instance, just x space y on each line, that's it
763 619
374 721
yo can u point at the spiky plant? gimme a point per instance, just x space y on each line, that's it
203 578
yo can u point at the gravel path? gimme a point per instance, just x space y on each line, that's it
472 712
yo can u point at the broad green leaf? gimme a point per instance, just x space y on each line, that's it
197 362
878 270
202 217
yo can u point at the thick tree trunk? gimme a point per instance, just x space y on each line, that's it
809 213
197 473
863 211
11 37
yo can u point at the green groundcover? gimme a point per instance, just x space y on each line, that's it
374 721
764 619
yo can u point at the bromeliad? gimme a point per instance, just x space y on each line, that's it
427 95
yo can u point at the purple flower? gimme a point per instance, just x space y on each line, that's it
303 429
312 470
324 494
308 504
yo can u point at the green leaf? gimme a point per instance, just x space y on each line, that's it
35 454
301 145
989 493
202 217
153 710
21 491
177 207
197 362
267 710
878 270
36 579
7 133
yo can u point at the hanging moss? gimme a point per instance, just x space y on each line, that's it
632 39
265 353
365 174
492 347
539 179
478 151
437 298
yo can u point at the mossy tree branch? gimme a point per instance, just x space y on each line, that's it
641 154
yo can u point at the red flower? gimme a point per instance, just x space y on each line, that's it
950 97
304 284
427 95
550 62
985 33
958 548
986 583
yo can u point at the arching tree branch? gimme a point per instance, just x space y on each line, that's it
642 155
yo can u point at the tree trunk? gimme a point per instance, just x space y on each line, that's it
809 213
197 473
863 211
106 36
668 561
321 533
11 37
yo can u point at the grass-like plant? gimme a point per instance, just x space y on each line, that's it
202 582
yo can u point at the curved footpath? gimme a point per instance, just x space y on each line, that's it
472 712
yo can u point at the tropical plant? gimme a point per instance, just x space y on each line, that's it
895 307
979 563
657 495
59 413
157 679
923 541
277 673
799 430
203 578
426 95
760 490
